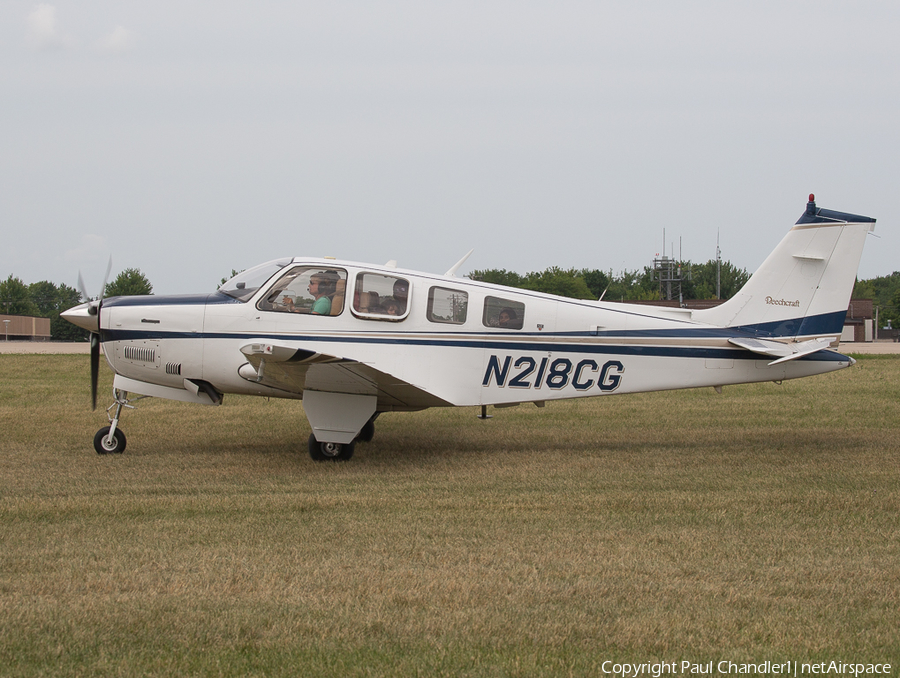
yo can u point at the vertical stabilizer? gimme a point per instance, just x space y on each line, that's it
803 287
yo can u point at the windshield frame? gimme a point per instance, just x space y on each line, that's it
247 283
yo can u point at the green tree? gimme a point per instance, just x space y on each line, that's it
884 291
563 283
702 282
598 281
50 301
498 276
15 299
633 286
60 328
45 297
639 285
129 283
554 280
233 273
890 311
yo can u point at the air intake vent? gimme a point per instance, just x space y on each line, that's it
140 353
173 368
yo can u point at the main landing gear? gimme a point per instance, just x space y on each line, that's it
333 451
110 439
341 451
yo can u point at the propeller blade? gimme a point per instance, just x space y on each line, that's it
95 367
94 305
82 288
106 278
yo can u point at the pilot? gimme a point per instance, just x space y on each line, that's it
322 287
508 319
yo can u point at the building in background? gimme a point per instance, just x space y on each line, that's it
24 328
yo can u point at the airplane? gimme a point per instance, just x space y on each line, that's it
355 340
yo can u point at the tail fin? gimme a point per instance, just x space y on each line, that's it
803 287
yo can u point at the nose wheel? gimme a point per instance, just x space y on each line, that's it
109 443
110 439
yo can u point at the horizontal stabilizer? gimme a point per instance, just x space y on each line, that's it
781 350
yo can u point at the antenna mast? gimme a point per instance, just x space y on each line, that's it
718 268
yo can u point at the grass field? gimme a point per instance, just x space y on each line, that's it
760 524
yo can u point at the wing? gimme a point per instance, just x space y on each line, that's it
295 370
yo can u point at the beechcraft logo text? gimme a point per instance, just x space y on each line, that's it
782 302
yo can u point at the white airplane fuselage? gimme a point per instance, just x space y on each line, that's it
354 340
566 348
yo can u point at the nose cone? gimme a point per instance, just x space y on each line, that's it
84 316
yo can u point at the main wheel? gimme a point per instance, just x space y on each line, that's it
329 451
104 447
367 432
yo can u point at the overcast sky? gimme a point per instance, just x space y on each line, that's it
192 138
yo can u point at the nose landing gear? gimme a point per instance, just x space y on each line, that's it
110 439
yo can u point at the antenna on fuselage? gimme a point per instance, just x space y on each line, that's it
453 269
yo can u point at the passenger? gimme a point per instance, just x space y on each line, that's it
508 319
391 307
401 295
322 287
374 302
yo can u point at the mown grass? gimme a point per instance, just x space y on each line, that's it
757 524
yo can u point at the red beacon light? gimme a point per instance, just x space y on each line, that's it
811 208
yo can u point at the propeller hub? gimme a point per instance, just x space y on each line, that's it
84 315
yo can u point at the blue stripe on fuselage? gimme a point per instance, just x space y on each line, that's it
519 346
215 298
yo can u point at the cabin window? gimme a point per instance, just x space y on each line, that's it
447 306
503 313
314 290
382 297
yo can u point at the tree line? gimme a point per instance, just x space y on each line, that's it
884 291
45 299
698 281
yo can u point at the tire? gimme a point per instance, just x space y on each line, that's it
118 443
329 451
367 432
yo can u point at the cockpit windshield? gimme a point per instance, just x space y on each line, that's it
245 284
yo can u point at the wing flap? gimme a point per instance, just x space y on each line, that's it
292 369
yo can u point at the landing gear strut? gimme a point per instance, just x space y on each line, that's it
110 439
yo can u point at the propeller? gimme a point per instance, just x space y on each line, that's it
94 310
95 368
